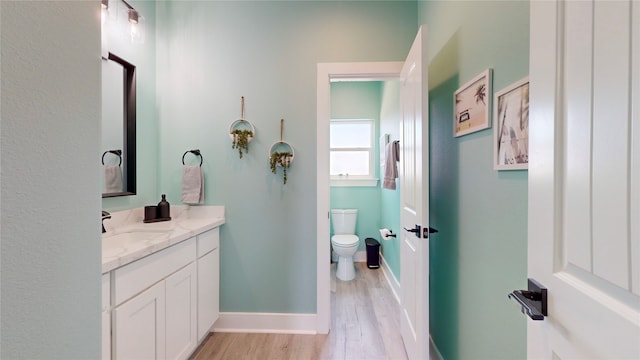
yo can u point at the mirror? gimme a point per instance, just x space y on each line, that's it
118 127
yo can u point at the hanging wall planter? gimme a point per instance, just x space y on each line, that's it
241 133
281 154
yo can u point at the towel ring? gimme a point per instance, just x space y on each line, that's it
195 152
118 153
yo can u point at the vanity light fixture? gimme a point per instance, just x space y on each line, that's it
133 16
135 21
133 13
107 13
110 10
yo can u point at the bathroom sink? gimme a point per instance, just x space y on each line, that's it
117 244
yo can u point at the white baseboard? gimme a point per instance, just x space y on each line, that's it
394 284
274 323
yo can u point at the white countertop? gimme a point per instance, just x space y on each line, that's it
128 239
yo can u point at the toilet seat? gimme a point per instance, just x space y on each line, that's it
344 240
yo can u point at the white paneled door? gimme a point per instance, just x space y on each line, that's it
584 178
414 195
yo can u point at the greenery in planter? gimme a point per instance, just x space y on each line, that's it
241 140
283 159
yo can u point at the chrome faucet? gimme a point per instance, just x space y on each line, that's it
105 215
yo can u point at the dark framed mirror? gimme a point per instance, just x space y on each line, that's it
118 127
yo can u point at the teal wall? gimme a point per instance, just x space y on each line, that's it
209 54
480 254
390 199
144 57
359 100
49 184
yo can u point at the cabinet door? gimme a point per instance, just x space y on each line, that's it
106 317
106 336
208 291
139 326
181 292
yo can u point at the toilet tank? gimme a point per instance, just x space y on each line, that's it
344 221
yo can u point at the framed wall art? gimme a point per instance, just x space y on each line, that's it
511 127
471 104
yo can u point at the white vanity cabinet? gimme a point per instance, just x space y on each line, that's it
162 305
160 323
208 280
145 322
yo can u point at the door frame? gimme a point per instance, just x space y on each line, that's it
328 72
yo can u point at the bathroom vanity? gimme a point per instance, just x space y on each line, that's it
160 282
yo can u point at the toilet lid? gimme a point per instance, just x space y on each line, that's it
345 240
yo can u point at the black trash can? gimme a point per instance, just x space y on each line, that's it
373 253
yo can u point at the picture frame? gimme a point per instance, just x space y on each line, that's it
471 105
511 127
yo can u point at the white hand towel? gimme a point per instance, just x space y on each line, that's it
112 178
390 166
192 184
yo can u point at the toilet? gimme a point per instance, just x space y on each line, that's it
344 241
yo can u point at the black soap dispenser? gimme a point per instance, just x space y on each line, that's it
164 212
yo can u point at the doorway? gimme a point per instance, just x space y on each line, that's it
327 72
365 120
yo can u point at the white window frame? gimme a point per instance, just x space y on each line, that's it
357 180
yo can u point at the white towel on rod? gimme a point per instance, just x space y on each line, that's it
390 165
112 178
192 184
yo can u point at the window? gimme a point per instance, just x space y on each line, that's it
351 157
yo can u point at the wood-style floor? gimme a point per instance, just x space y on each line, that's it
364 325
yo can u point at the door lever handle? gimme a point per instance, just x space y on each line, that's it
415 230
533 301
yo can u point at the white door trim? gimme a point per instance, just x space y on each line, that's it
369 71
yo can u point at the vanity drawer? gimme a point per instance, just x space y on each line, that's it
208 241
139 275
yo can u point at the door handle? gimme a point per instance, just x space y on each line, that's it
425 231
533 301
415 230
